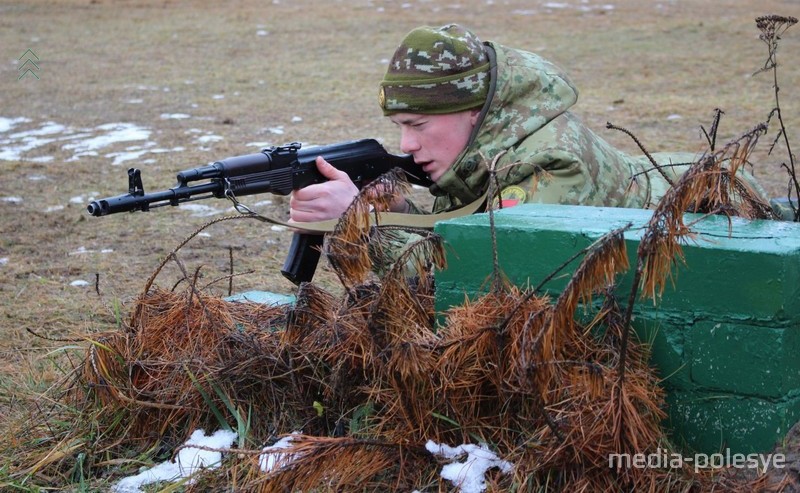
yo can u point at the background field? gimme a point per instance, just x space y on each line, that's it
171 85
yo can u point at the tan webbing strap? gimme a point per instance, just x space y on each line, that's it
425 221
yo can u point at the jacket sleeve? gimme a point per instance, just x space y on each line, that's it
564 162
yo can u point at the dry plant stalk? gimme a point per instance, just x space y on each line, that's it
772 28
511 368
368 380
347 247
179 351
347 464
705 187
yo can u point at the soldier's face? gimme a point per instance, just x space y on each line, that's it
435 141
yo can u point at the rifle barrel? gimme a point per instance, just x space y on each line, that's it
142 202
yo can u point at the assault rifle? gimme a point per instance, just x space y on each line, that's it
277 170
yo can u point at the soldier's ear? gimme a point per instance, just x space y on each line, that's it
473 116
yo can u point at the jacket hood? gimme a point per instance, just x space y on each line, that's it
526 93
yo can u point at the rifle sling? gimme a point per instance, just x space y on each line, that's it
424 221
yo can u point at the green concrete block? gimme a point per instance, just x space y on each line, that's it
669 353
709 423
747 360
529 249
752 275
721 356
730 324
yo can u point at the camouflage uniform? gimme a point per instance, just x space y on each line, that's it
550 156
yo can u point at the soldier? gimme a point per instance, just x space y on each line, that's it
459 103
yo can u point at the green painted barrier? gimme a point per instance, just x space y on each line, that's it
725 336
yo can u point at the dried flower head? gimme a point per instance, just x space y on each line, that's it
772 26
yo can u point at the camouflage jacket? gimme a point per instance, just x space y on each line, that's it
551 157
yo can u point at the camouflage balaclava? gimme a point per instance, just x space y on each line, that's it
435 71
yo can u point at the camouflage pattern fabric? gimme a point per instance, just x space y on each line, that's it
436 70
550 155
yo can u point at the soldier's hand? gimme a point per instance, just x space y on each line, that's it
322 201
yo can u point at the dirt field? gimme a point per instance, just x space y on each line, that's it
168 85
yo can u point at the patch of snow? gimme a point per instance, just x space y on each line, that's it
189 461
260 145
174 116
7 124
205 139
110 134
47 128
121 157
468 475
20 142
200 210
272 457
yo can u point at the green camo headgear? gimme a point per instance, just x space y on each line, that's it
435 71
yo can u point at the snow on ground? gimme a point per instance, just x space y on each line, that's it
201 210
189 461
273 457
29 144
25 144
205 452
7 124
24 139
580 6
469 475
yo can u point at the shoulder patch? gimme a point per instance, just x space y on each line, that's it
510 196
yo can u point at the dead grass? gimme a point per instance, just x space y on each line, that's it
369 382
635 65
